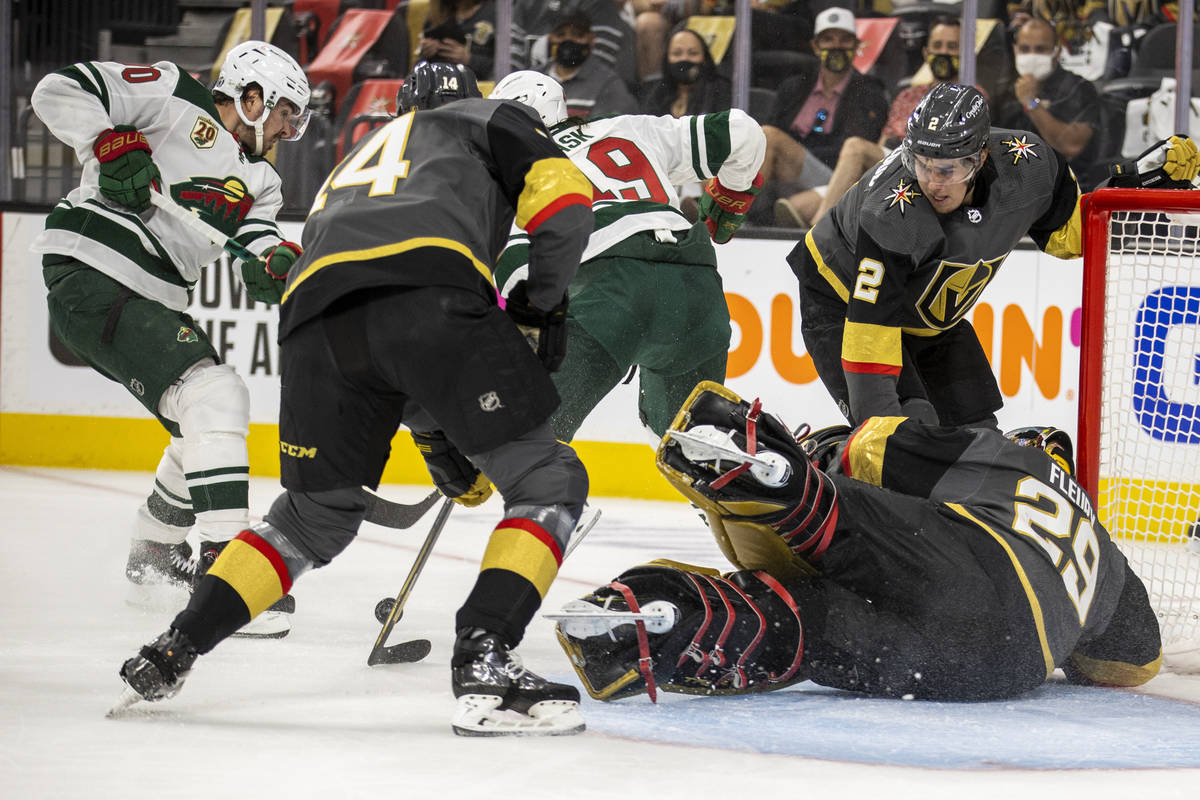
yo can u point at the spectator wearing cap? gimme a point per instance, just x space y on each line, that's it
592 88
815 111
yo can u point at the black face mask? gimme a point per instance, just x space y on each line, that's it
684 71
837 61
571 54
943 66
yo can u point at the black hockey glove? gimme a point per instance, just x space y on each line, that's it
453 474
546 331
265 277
126 170
1169 164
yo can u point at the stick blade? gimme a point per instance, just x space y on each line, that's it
382 511
403 653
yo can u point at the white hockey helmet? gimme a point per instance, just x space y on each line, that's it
276 72
538 91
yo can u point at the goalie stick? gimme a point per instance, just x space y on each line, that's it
415 650
193 221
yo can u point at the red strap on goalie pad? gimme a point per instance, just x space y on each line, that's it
739 669
645 665
693 649
111 144
717 655
751 445
787 598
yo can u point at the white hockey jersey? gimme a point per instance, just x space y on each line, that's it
635 162
203 167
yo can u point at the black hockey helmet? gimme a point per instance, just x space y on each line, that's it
820 445
950 122
1054 442
434 83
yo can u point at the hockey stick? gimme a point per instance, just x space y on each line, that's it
407 652
382 511
192 220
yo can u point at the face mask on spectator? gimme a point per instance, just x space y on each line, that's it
684 71
1039 65
837 61
943 66
571 54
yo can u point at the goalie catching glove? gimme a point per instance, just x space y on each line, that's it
126 170
452 472
1170 164
691 631
767 504
266 276
546 331
724 210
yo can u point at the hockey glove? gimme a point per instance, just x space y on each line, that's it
1170 164
265 277
126 170
546 331
453 474
724 210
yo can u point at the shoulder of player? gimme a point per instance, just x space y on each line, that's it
1022 155
892 209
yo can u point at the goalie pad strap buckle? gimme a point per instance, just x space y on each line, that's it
644 661
693 649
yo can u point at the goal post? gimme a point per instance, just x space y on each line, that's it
1139 398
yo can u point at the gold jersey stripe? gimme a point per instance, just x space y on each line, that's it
1067 241
1035 607
829 275
865 343
547 180
1116 673
864 452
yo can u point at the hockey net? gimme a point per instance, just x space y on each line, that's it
1139 409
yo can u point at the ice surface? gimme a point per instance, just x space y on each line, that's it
305 717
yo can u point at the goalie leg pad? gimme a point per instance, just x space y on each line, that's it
734 634
752 503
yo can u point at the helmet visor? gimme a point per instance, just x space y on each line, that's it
942 171
294 124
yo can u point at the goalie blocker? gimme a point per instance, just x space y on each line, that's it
934 581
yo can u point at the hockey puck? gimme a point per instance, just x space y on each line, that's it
383 609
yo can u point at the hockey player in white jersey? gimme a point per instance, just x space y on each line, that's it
120 273
647 293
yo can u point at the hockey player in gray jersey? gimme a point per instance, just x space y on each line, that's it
120 273
390 317
899 560
888 276
648 294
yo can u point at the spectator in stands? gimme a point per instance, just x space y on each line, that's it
940 52
1060 106
461 32
653 21
816 111
612 22
690 83
591 87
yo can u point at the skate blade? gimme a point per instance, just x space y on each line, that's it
267 625
163 597
480 715
128 698
581 619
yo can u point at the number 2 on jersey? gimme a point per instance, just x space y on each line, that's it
385 148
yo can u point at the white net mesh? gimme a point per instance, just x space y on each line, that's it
1149 467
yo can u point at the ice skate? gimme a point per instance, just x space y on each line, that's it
158 670
274 623
497 696
160 574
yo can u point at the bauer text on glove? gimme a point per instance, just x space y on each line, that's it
126 170
546 331
724 210
266 276
453 474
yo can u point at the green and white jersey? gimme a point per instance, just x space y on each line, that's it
634 163
203 167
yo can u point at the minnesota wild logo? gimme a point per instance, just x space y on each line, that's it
221 202
904 192
186 335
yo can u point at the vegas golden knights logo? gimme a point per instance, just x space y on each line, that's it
953 290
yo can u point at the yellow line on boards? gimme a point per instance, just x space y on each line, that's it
615 469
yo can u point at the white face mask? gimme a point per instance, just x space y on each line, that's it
1039 65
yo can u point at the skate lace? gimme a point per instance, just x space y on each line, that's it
514 668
